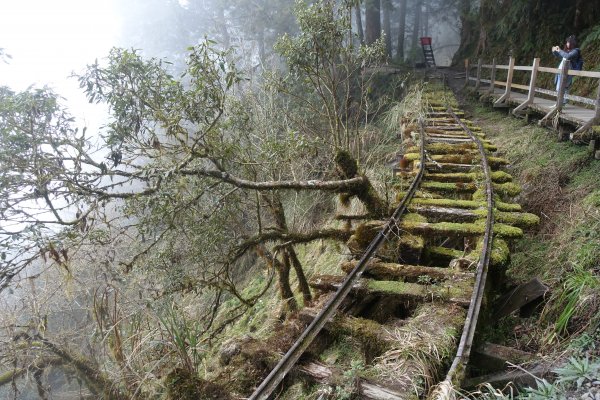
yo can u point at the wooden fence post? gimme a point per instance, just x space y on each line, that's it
501 102
466 71
478 81
493 77
559 97
511 68
564 75
577 135
531 95
597 115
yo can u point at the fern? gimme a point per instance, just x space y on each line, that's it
592 37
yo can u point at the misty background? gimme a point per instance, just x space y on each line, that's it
45 42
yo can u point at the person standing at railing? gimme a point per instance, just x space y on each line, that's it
571 53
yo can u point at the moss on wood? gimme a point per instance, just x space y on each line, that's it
405 272
447 203
442 253
414 217
364 235
449 187
473 204
369 334
419 194
456 158
11 375
508 189
347 165
499 256
447 148
494 162
520 219
453 177
458 291
460 229
501 177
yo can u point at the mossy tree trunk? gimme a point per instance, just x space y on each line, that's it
282 268
287 294
290 257
366 193
302 281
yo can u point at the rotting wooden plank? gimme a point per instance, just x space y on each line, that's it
388 271
450 167
437 213
520 296
452 229
439 324
509 207
458 293
465 177
517 377
443 139
446 229
491 357
367 331
327 375
494 162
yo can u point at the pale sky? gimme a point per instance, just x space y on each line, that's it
49 39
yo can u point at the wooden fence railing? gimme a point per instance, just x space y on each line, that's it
532 89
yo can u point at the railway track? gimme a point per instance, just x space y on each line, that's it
415 287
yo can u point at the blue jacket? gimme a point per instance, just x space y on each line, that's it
572 55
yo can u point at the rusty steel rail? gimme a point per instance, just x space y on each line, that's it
456 372
287 362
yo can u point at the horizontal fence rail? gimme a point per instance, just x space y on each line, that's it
510 92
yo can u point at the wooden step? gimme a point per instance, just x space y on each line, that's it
470 204
434 213
329 375
459 292
410 273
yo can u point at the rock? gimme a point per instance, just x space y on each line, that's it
229 350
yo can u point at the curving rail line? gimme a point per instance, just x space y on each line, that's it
444 132
455 373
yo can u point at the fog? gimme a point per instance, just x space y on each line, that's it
49 40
